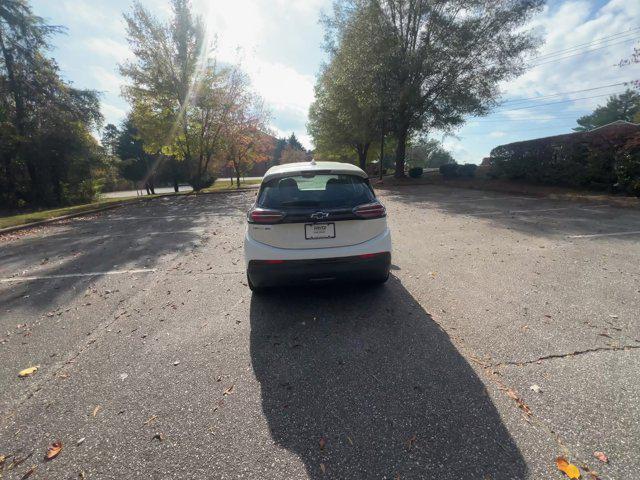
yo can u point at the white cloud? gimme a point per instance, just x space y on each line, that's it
459 151
109 48
98 15
112 114
106 80
575 23
497 134
270 40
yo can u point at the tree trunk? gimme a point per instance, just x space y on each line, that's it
362 150
176 187
401 137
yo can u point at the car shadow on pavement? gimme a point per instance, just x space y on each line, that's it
359 382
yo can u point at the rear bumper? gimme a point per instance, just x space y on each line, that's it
301 272
254 250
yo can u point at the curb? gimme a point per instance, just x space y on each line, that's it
116 205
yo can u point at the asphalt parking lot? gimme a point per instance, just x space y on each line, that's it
155 361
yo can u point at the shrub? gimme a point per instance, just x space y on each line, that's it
203 182
84 192
628 166
468 170
449 170
416 172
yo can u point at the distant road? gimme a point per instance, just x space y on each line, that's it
183 188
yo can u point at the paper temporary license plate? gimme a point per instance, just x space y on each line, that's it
319 230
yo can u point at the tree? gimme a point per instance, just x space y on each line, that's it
281 144
428 153
109 138
294 143
350 106
293 155
137 165
244 139
625 106
443 59
48 154
181 99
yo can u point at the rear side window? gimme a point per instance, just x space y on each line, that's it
315 191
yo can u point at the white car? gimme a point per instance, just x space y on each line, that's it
313 223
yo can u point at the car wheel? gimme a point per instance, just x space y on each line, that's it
253 288
381 280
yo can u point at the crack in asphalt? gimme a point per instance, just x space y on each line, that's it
565 355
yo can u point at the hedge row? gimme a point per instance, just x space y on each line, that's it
454 170
600 167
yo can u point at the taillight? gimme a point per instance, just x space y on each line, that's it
264 215
367 256
370 210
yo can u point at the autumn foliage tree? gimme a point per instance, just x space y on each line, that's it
245 141
184 104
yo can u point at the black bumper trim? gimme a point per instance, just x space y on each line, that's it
305 272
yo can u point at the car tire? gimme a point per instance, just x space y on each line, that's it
381 280
253 288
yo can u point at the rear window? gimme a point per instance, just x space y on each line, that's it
318 191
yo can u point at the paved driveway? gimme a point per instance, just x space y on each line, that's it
155 361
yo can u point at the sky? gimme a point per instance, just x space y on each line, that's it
279 44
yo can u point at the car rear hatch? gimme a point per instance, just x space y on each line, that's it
316 210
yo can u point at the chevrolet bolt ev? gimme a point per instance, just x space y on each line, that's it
314 223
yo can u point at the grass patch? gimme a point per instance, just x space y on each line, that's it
223 184
23 218
30 217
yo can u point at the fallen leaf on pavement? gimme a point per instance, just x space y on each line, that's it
322 443
96 410
28 473
158 436
601 456
412 440
521 405
27 372
567 468
2 460
150 419
53 450
349 440
323 468
228 391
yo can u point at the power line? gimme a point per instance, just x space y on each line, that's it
581 53
528 120
561 101
511 132
600 40
565 93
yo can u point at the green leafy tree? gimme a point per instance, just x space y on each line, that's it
294 143
625 106
281 144
137 165
428 153
49 157
443 60
350 108
181 100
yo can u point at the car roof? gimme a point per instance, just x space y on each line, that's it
289 169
